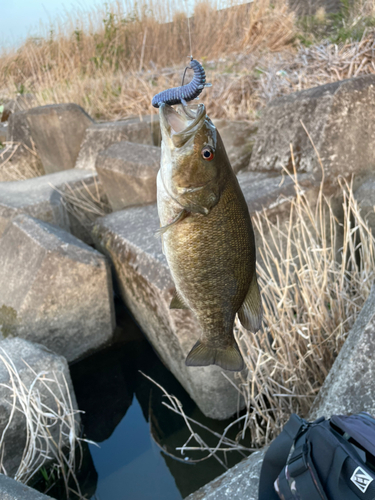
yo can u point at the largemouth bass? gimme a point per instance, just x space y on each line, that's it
207 236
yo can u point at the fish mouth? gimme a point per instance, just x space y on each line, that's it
179 127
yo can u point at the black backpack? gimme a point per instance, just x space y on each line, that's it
331 459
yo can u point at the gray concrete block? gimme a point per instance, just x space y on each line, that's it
13 490
55 289
238 483
339 117
238 138
128 173
100 136
349 386
39 198
58 130
29 360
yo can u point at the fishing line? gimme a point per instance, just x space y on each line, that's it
191 52
188 22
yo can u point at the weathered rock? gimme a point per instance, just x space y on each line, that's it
238 138
100 136
13 490
19 353
339 118
238 483
55 289
58 130
21 102
128 173
41 198
349 386
21 156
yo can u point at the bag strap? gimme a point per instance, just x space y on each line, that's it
301 468
276 457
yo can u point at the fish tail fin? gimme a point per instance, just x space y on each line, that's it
228 358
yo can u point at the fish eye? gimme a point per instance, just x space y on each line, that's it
207 153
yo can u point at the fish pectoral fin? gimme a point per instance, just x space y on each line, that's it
251 312
181 216
228 358
177 302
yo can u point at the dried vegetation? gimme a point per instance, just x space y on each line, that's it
110 61
51 429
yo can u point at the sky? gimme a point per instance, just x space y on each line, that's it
20 18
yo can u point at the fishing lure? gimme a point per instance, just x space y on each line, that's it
184 93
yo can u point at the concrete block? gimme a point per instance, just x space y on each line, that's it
39 198
55 289
349 386
58 130
238 483
13 490
128 173
339 117
100 136
238 138
39 359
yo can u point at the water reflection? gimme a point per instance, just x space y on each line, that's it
121 405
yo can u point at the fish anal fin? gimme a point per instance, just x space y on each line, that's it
177 302
250 313
228 358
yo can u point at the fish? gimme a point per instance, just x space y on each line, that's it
207 235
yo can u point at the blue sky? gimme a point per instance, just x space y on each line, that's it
20 18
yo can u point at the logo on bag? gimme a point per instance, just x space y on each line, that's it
361 479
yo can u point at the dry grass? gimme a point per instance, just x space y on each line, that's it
85 203
112 61
312 293
23 167
43 423
109 61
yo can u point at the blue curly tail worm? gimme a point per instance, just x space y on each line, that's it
188 92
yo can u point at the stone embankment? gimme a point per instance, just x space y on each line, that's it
57 289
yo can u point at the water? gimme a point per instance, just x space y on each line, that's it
121 409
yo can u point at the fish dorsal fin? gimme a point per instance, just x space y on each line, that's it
177 302
228 358
251 312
